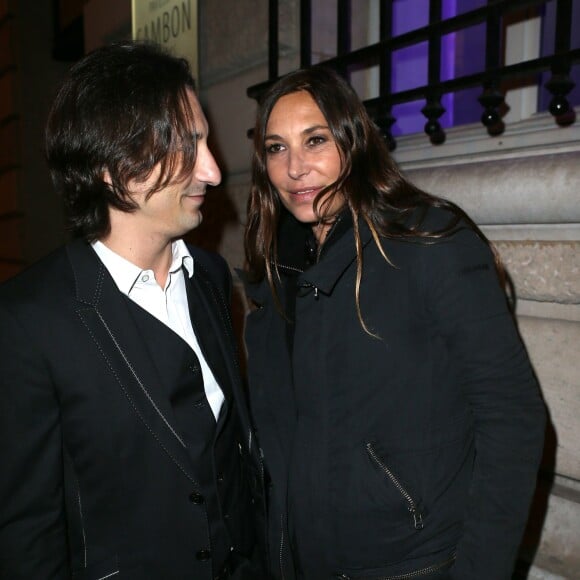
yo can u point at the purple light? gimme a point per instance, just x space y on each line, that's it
462 53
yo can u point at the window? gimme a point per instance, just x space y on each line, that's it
525 35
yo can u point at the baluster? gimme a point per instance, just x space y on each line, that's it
560 83
433 109
343 39
384 118
492 98
305 33
272 39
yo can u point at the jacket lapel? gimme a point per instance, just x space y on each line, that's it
104 313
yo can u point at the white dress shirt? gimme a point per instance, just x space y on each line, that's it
169 304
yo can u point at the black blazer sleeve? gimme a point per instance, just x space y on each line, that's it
493 369
32 526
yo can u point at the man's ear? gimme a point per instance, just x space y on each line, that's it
107 178
109 181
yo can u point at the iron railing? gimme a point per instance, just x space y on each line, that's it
558 64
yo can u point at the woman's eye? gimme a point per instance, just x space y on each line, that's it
316 140
273 148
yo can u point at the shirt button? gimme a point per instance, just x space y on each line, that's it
203 555
196 498
145 278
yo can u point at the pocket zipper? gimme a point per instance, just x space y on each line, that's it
411 505
405 575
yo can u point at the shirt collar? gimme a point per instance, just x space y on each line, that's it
125 273
181 257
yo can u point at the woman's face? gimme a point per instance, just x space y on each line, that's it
302 158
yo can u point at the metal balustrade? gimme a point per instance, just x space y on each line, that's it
492 98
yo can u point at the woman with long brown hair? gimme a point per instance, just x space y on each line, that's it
399 418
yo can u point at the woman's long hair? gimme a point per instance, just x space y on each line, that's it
370 181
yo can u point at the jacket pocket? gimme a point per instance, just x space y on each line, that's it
434 571
375 517
413 506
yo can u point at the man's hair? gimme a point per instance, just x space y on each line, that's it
122 112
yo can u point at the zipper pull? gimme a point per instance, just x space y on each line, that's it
417 519
306 288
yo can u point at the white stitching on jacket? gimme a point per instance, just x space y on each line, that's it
139 380
134 407
82 521
109 575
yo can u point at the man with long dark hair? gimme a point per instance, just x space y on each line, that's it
125 444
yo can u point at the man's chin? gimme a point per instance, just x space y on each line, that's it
196 221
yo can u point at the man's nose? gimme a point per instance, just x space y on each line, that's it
206 167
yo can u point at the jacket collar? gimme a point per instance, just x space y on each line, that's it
89 272
337 254
335 259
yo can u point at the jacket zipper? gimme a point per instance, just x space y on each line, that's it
282 546
404 576
260 456
307 285
412 506
293 268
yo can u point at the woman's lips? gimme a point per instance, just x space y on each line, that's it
306 191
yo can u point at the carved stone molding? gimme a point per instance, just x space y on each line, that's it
535 190
543 271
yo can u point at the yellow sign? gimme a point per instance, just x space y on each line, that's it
171 23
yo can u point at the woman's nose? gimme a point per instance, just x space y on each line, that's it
297 166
